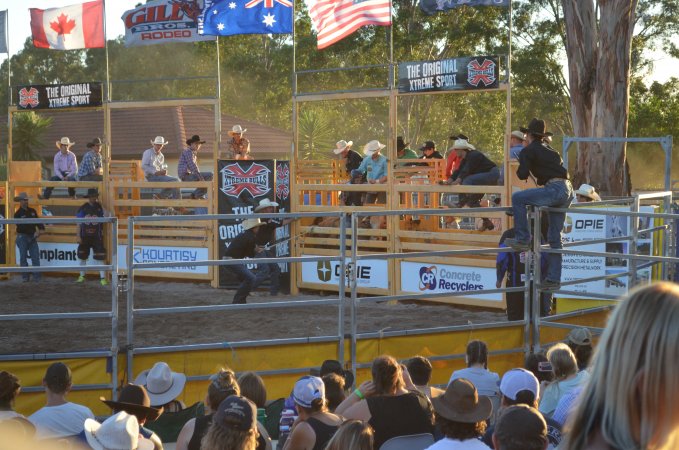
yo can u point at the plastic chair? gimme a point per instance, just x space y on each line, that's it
409 442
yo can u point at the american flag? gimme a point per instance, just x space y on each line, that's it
336 19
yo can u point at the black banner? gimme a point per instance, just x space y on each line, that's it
55 96
242 184
455 74
283 233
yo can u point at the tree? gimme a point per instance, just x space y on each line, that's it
27 131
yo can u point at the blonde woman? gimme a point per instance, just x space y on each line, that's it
566 377
352 435
234 426
631 399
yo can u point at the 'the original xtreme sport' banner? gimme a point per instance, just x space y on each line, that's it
454 74
421 277
55 96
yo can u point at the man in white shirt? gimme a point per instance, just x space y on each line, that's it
155 169
59 417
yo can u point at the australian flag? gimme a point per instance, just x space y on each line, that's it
229 17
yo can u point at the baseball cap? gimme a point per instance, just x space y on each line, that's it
428 145
236 412
580 336
307 390
517 380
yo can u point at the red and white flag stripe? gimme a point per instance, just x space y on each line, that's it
335 20
69 27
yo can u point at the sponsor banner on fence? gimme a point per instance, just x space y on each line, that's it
424 278
163 21
56 254
370 273
583 227
55 96
157 254
454 74
283 233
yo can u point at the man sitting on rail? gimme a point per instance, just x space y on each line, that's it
375 165
155 169
238 147
65 167
91 167
352 161
188 165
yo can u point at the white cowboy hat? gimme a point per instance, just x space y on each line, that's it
159 140
120 431
341 146
265 203
64 141
588 191
237 129
162 384
373 147
250 223
518 134
463 145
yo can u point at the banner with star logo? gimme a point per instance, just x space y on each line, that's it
69 27
229 17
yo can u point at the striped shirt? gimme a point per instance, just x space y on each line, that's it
188 163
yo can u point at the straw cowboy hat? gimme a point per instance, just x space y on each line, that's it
462 403
588 191
162 384
251 223
159 140
134 399
373 147
537 127
120 431
341 146
463 144
64 141
95 141
21 196
265 203
237 129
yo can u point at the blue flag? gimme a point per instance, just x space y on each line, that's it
3 32
228 17
430 7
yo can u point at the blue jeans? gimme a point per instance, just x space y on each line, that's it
558 194
269 271
207 176
168 192
248 282
479 179
28 244
48 190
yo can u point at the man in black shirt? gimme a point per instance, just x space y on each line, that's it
266 239
241 247
91 235
351 162
546 165
27 236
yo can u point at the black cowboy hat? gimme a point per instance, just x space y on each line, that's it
95 141
194 138
537 127
92 192
401 144
458 136
133 399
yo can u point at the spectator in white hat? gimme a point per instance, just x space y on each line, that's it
586 193
375 166
155 169
238 147
120 431
315 425
163 386
516 144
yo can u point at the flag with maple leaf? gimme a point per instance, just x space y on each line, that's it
69 27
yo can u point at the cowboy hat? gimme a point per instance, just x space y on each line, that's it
458 136
401 144
119 431
64 141
537 127
91 192
134 400
518 134
162 384
95 141
373 147
21 196
159 140
265 203
248 224
194 138
463 144
428 145
588 191
341 146
462 403
237 129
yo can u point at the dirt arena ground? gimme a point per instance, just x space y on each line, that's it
54 294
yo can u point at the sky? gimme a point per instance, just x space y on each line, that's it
19 29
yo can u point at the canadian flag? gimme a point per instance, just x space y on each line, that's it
69 27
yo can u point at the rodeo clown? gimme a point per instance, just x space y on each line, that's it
91 235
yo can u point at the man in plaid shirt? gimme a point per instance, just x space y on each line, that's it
91 167
188 165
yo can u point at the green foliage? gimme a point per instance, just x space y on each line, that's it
27 131
315 135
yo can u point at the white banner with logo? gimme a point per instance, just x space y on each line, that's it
425 278
157 254
370 273
163 21
583 227
56 254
